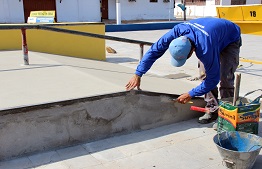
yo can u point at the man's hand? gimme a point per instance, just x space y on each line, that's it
133 82
184 98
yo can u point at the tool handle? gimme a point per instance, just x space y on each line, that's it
236 90
200 109
175 100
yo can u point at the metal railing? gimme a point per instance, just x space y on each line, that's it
49 27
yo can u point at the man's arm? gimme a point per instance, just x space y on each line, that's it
155 52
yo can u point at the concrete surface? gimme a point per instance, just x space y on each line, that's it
52 78
67 123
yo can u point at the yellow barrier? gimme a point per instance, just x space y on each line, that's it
59 43
233 13
248 17
252 13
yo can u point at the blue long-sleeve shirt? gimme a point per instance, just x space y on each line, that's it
209 35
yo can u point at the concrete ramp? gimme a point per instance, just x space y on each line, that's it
32 129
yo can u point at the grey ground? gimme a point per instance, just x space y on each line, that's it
184 145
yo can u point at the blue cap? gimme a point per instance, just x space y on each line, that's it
179 49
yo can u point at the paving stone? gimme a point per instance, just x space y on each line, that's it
71 152
56 165
81 162
19 163
132 149
44 158
97 146
108 155
77 157
125 163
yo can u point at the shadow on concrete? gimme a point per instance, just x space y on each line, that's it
121 60
177 76
31 66
251 69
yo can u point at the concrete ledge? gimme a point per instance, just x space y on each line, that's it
28 130
141 26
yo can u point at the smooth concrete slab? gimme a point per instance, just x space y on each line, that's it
51 78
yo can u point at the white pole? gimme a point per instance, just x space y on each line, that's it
118 12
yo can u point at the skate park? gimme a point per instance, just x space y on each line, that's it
61 111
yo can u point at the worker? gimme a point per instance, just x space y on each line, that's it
216 43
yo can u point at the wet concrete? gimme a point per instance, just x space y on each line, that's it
31 129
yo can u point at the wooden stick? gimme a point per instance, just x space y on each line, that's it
237 87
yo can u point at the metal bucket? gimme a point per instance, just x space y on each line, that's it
239 150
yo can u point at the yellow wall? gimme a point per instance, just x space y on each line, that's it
59 43
248 17
10 40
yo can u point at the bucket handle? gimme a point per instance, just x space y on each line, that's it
228 163
251 93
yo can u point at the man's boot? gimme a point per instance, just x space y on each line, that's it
212 105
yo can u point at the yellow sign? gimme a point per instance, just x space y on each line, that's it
42 14
252 12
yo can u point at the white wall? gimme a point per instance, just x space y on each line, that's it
11 11
2 12
253 1
89 10
141 9
112 9
210 2
66 11
225 2
78 11
196 11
